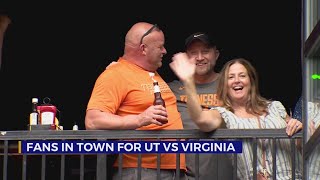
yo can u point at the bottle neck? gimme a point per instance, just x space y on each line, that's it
34 107
156 88
157 94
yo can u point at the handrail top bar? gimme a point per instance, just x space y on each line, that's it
145 134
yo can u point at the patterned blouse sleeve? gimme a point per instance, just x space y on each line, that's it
276 107
314 113
224 114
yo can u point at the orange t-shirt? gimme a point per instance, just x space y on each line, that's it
126 89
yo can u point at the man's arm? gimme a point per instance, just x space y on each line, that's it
96 119
184 68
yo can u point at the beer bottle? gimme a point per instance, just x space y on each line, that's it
34 115
158 98
157 95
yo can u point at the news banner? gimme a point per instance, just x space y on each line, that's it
94 147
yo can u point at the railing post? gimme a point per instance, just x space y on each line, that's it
101 167
5 160
254 161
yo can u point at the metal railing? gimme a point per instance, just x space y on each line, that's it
93 166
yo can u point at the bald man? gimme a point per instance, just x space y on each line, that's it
122 98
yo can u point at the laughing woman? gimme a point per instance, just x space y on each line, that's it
243 108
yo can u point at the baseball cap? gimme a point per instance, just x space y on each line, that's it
200 36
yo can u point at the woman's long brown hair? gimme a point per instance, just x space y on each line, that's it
256 104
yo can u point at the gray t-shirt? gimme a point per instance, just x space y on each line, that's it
211 166
207 96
